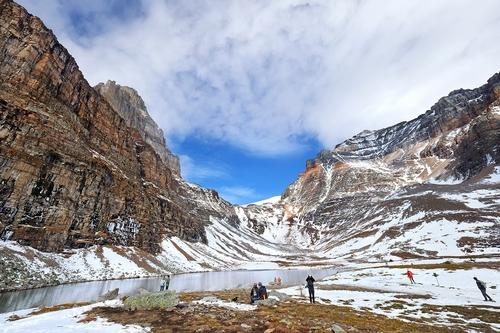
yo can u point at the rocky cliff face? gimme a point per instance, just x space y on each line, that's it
375 192
130 106
78 167
458 137
81 166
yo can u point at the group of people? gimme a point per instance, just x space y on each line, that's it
258 292
165 283
480 284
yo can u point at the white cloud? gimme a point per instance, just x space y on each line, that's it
238 194
195 171
261 75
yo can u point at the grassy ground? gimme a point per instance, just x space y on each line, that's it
291 316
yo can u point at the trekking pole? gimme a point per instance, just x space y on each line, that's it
436 276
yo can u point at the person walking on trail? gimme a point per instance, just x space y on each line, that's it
482 287
254 293
410 276
310 286
262 291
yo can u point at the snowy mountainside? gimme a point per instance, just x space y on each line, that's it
427 187
86 179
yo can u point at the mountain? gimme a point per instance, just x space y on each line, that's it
131 107
426 187
82 166
89 189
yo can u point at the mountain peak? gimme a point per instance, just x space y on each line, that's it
127 102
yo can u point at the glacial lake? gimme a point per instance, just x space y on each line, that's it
204 281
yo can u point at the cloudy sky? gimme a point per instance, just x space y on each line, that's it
246 91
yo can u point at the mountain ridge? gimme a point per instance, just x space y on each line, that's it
85 173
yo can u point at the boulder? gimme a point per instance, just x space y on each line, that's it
159 300
278 295
337 329
112 294
267 302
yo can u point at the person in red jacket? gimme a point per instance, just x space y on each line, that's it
410 276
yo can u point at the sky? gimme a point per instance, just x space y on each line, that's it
247 91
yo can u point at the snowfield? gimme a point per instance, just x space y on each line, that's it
64 321
388 291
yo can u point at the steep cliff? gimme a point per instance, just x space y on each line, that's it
86 171
79 167
130 106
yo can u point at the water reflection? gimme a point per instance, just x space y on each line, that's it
209 281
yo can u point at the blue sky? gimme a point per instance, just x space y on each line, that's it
239 176
246 91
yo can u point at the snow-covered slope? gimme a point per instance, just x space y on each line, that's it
427 187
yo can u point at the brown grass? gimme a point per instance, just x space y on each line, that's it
291 316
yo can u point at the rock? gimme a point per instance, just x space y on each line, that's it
96 169
278 295
267 302
182 305
270 330
112 294
245 326
130 106
210 299
143 291
160 300
337 329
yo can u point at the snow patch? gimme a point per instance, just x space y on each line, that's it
64 321
271 200
212 301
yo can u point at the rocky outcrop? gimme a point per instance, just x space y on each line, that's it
130 106
74 170
82 166
457 137
374 193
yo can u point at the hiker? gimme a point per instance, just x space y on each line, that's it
482 286
277 281
310 286
410 276
165 283
262 291
254 294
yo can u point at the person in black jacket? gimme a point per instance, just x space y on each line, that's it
254 293
310 286
262 291
482 286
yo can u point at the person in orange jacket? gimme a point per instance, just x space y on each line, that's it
410 276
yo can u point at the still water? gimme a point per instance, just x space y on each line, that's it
205 281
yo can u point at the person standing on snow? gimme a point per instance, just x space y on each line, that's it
482 287
310 286
410 276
